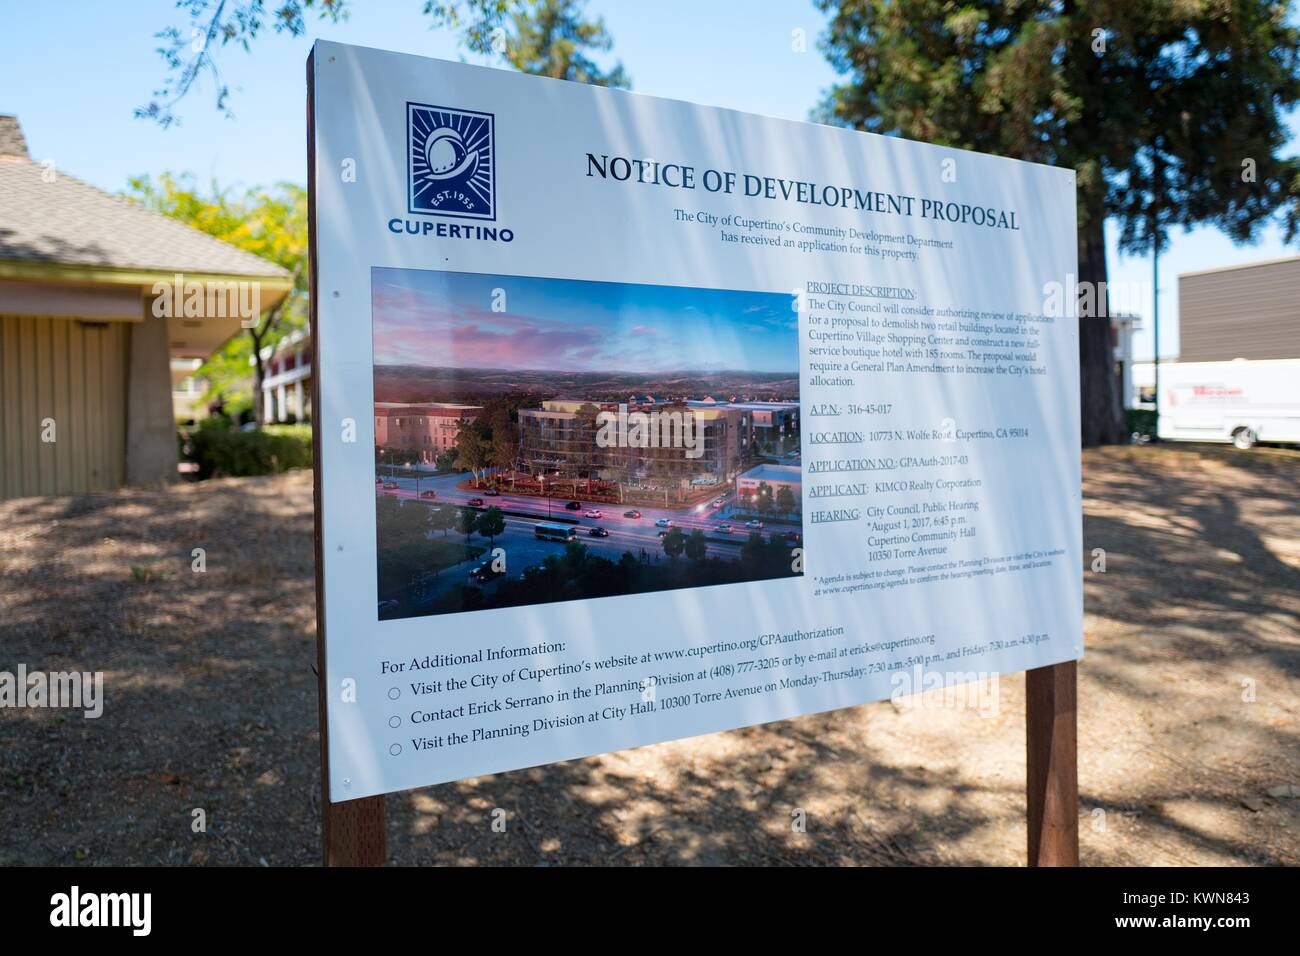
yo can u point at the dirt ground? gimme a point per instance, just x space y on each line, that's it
1188 744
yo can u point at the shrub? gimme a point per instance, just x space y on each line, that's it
221 450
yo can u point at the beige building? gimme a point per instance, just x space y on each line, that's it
1250 311
561 439
98 296
428 429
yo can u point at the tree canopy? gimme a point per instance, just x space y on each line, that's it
271 223
1170 113
544 37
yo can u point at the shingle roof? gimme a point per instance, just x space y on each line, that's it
11 137
68 222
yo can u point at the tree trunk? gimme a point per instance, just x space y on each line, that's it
259 376
1100 408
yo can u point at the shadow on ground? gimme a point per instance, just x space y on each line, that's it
1187 717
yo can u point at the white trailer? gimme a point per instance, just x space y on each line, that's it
1242 401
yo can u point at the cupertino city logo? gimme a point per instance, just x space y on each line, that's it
450 162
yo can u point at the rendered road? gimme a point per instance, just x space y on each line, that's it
523 549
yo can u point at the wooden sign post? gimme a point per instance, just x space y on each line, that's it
1051 764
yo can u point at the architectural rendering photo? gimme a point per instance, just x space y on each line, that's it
543 440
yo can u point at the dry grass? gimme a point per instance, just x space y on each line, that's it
211 703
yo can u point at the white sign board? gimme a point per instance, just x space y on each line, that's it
639 419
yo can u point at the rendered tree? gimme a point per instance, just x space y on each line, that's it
490 524
473 448
466 523
441 519
696 547
674 543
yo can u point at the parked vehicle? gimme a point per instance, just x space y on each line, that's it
598 533
574 506
1243 401
631 514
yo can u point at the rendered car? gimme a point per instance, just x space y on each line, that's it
631 514
574 506
475 502
428 494
598 533
485 573
664 523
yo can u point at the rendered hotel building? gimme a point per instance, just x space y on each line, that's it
429 428
560 439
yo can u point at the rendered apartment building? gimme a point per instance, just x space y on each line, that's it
560 439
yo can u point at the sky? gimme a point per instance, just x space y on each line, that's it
449 319
74 70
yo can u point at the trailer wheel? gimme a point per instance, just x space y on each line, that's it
1244 438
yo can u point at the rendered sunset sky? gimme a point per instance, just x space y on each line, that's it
446 319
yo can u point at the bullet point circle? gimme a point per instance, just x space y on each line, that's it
395 749
394 693
394 721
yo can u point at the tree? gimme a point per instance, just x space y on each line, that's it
696 547
491 523
546 37
1156 106
550 38
674 543
504 429
473 447
441 519
466 522
785 502
271 224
